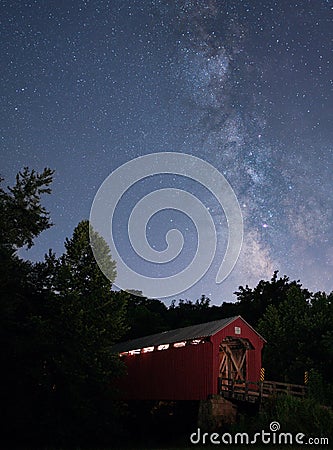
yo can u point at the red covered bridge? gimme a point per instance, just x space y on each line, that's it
191 363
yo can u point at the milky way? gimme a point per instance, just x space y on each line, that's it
247 86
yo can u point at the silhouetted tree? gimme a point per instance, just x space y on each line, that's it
252 303
299 335
86 319
58 322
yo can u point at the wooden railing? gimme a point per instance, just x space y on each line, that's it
270 388
239 389
253 391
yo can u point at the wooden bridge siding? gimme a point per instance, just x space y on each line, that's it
254 363
253 357
173 374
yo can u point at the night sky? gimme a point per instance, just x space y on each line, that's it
245 85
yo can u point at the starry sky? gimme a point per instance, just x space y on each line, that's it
245 85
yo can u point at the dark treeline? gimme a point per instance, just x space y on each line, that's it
59 319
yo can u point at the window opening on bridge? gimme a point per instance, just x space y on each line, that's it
179 344
147 349
134 352
163 347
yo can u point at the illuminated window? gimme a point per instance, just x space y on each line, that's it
147 349
163 347
238 330
179 344
134 352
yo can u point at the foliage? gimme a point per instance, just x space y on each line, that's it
22 215
189 313
148 316
298 331
145 316
253 303
296 415
87 318
58 322
319 390
22 218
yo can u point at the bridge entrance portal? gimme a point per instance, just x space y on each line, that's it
233 359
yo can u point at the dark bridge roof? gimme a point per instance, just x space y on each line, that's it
180 334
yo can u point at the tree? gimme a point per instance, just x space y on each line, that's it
189 313
252 303
87 319
299 335
22 218
58 321
145 315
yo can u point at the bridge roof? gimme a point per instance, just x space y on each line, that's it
201 330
